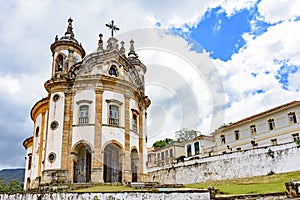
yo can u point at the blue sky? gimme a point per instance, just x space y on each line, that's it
231 58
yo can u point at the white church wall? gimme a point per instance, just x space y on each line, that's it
44 140
85 133
54 140
255 162
113 133
134 140
28 172
36 146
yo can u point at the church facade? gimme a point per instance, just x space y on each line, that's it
92 125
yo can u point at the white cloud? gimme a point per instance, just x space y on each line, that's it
279 42
277 11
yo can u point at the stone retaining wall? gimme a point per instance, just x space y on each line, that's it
110 196
253 162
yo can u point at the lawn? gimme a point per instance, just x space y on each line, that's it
252 185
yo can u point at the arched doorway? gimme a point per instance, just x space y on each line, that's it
82 164
112 163
134 165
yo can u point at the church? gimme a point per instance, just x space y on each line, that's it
91 127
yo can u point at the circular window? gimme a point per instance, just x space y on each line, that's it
55 97
51 157
37 131
54 125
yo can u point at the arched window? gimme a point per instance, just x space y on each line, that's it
113 115
84 114
59 63
113 71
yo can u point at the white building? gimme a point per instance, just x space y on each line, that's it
92 125
276 126
199 146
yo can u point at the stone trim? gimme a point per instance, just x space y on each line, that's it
84 102
113 101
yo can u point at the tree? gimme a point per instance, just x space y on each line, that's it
2 186
186 134
14 186
162 143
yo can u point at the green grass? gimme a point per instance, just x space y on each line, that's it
252 185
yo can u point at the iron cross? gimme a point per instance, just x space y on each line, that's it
112 27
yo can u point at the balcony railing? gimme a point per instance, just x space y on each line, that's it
83 120
114 122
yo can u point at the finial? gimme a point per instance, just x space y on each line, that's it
100 42
100 38
56 38
112 27
70 28
131 45
122 49
132 52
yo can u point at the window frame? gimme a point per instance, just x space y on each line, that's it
274 141
135 126
118 105
253 129
296 137
197 151
171 153
292 118
223 139
82 120
189 150
237 134
29 164
271 124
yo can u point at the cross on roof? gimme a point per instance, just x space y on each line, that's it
112 27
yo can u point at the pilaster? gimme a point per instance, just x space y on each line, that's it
97 160
66 159
127 163
141 146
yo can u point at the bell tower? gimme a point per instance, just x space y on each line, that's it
66 51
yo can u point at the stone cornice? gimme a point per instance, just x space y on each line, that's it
40 107
28 142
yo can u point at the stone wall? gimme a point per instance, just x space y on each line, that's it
110 196
252 162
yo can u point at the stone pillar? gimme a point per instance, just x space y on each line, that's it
127 162
141 146
66 159
97 159
70 59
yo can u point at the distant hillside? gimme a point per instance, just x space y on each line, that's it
9 174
